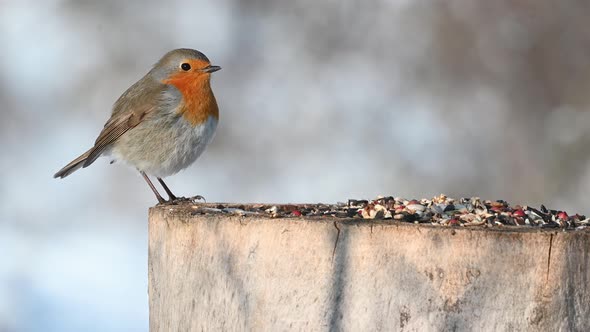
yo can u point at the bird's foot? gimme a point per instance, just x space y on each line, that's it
178 200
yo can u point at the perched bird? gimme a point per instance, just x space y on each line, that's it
162 123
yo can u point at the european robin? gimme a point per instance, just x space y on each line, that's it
162 123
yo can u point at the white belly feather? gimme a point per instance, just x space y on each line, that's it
164 146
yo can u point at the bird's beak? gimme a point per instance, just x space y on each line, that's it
211 69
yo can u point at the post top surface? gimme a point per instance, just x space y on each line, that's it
440 212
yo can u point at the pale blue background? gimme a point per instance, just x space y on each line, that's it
320 101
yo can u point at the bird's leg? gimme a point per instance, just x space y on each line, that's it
160 199
170 194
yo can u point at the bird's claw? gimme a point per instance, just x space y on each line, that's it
196 199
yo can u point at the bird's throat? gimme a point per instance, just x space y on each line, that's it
198 101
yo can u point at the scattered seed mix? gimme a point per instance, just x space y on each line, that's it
440 211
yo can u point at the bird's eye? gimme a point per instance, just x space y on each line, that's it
185 66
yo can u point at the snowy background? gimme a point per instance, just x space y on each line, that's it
320 101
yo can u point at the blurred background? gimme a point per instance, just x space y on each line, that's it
320 101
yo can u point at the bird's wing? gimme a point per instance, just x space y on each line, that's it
129 110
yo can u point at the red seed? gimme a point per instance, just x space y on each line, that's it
518 213
562 215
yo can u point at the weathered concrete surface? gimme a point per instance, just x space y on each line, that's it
230 273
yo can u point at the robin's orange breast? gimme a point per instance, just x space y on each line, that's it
198 101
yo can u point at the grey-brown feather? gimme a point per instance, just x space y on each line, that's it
72 166
141 99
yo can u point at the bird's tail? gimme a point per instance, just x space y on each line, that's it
72 166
